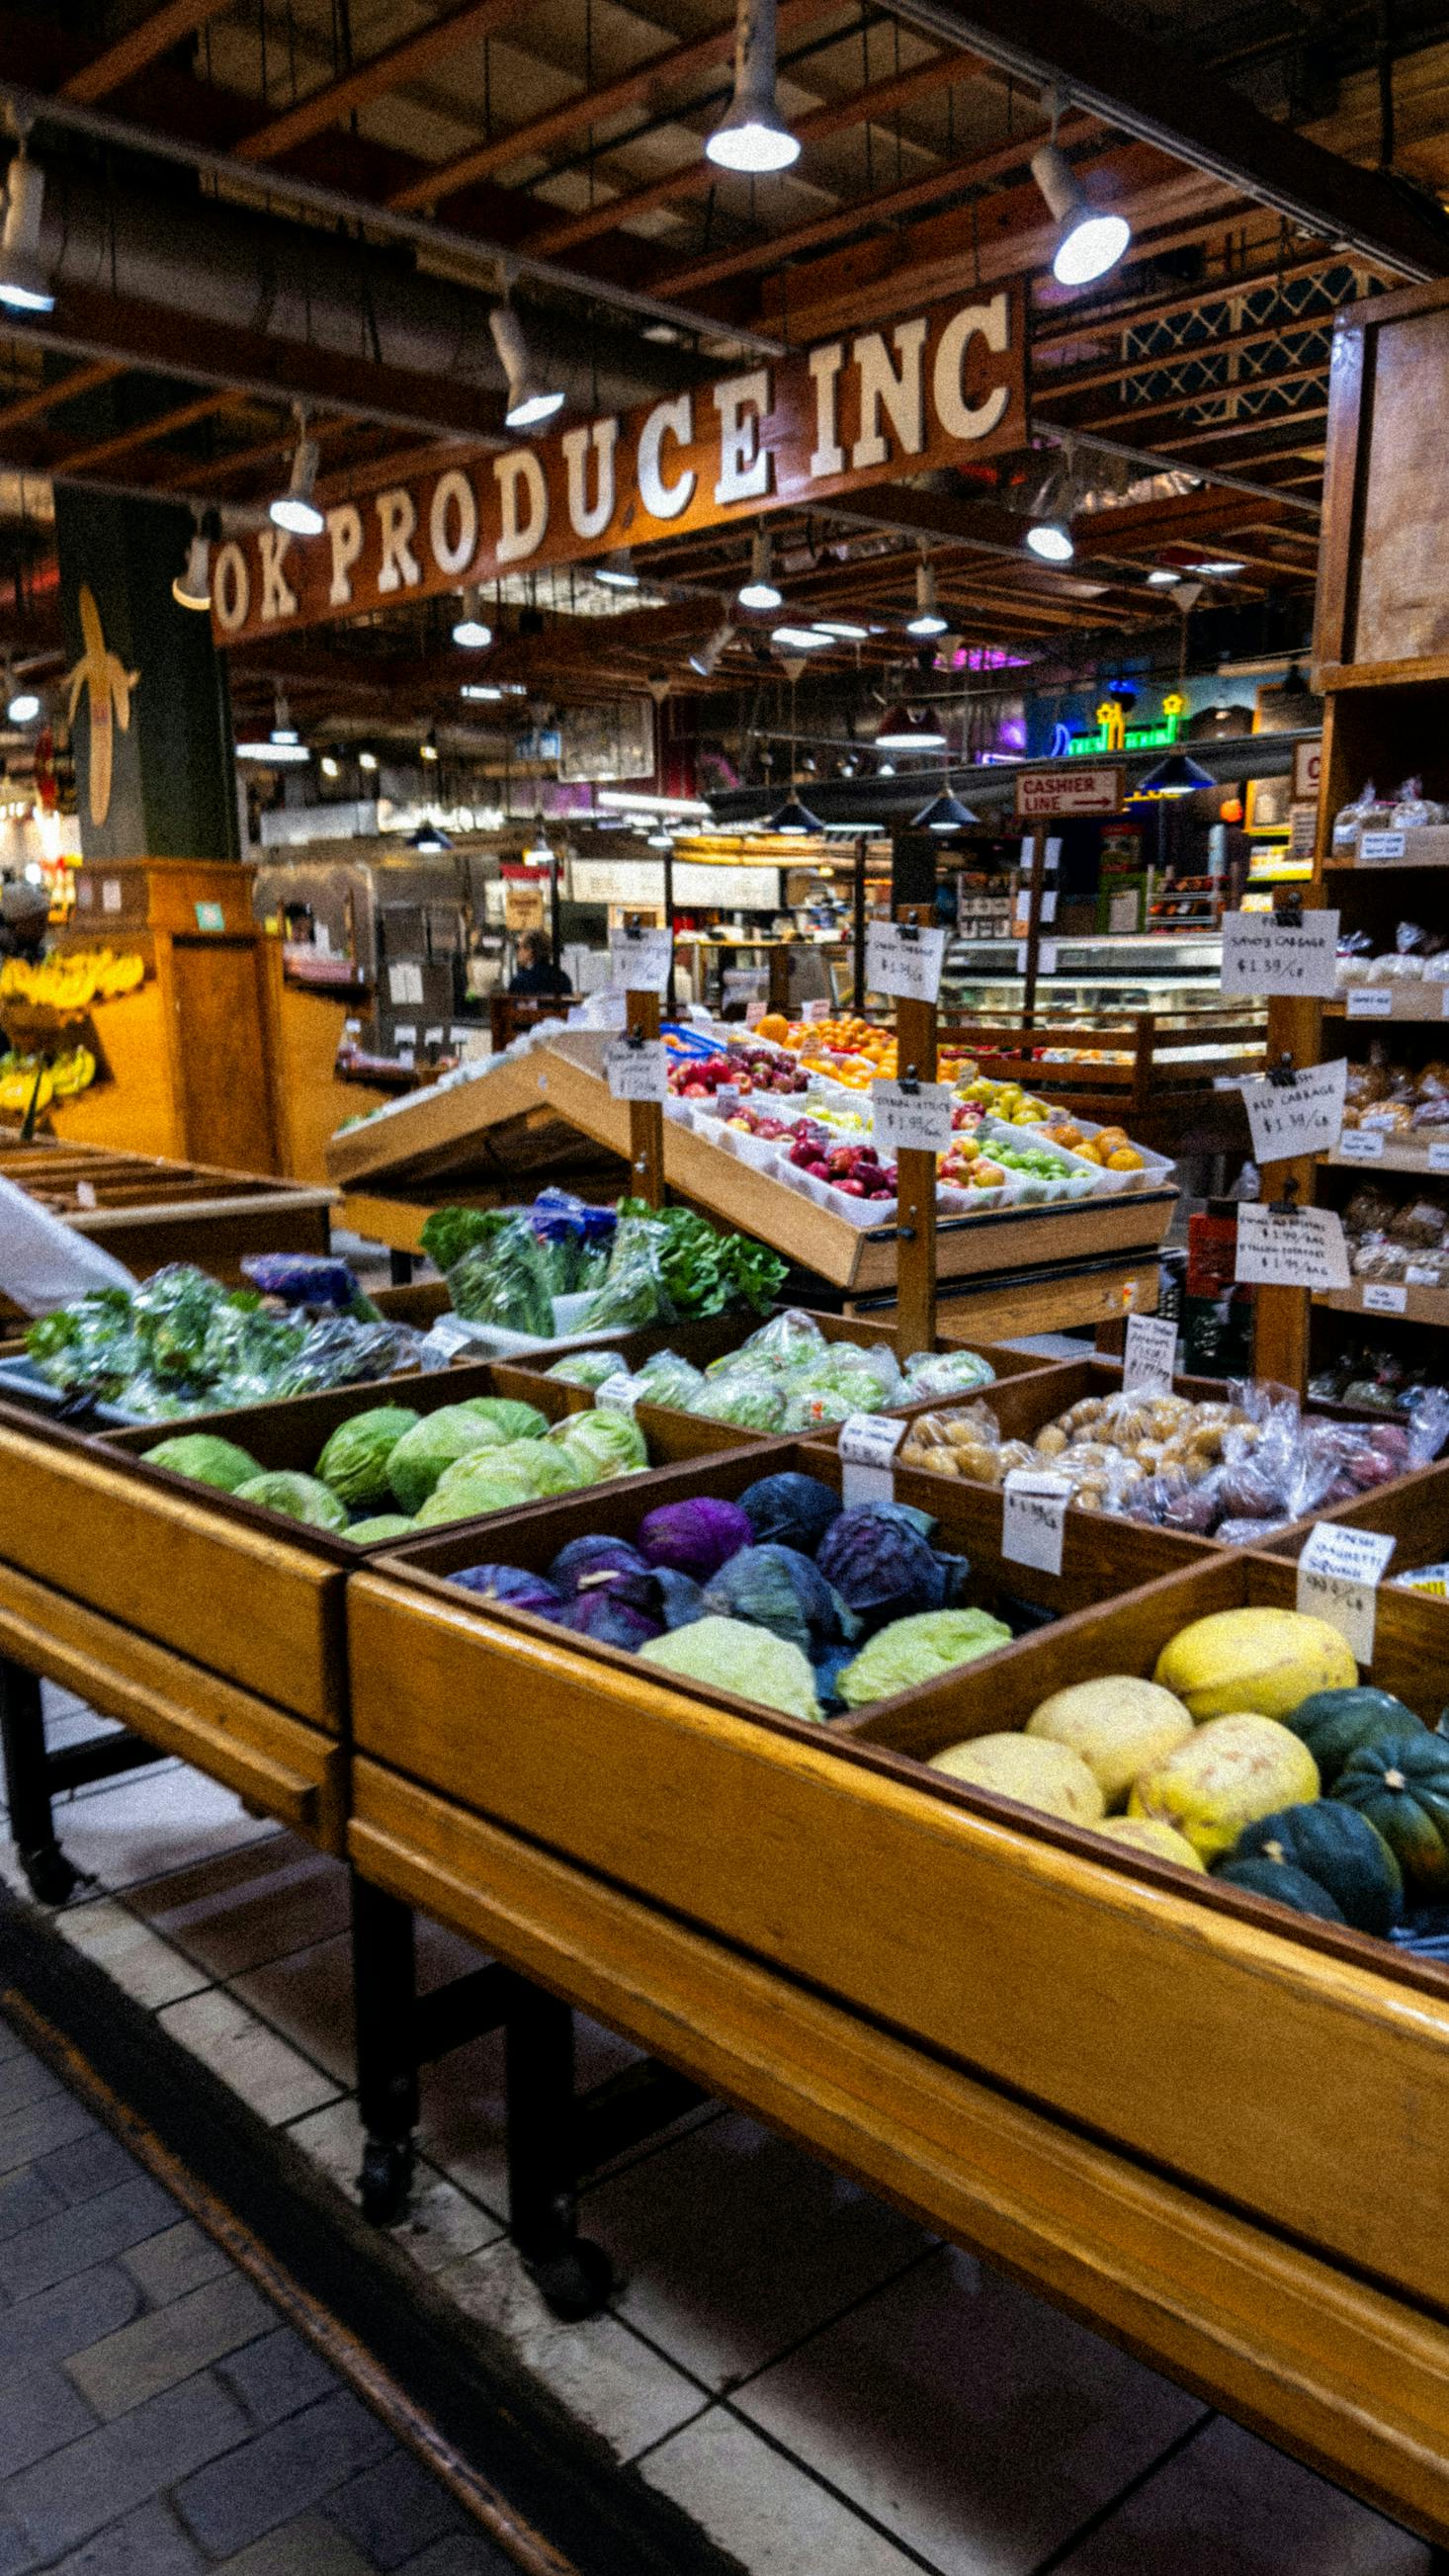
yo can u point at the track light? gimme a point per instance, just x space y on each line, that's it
794 819
330 767
367 760
901 731
25 281
752 135
295 510
1051 540
471 631
428 747
705 657
928 619
284 732
22 705
618 572
945 813
1089 242
530 400
192 586
759 591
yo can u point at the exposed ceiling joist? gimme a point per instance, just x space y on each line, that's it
48 398
118 63
373 79
166 424
1165 98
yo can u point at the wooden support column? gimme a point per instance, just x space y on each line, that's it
646 1117
916 1176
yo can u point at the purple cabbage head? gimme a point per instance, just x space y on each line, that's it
594 1564
609 1621
779 1589
513 1585
883 1568
791 1510
695 1537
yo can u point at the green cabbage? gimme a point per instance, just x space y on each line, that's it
433 1443
206 1459
485 1490
602 1444
514 1420
734 1657
919 1649
353 1465
301 1498
750 1402
382 1525
538 1465
588 1368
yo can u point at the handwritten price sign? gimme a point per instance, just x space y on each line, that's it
911 1122
1304 1116
1305 1249
904 963
1263 955
1033 1519
1339 1573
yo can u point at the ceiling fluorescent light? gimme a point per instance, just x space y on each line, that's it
752 135
799 639
706 657
841 629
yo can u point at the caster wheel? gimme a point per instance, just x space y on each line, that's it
385 2179
574 2284
50 1875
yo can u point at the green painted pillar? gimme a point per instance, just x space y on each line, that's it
155 770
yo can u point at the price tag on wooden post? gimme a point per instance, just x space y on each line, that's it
1300 1115
903 961
635 1069
1288 960
1299 1248
1339 1573
1033 1519
911 1117
868 1445
1150 1361
639 961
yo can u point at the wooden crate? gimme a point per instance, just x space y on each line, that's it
1340 2371
1414 1511
1213 2034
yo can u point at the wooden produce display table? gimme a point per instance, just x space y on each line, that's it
1156 1073
148 1211
312 1097
459 1133
1208 2127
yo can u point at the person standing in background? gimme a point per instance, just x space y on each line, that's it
536 972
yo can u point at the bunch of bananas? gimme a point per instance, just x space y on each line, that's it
71 982
59 1080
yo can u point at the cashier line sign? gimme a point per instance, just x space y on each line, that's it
837 417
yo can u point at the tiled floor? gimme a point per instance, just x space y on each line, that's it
825 2388
158 2417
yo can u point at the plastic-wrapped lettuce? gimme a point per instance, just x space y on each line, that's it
751 1401
779 1589
946 1373
382 1525
671 1381
588 1368
632 1292
515 1421
539 1467
736 1657
790 1340
353 1465
504 1278
602 1444
299 1498
432 1445
918 1649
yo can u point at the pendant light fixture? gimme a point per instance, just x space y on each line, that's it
706 657
759 591
472 630
928 620
22 705
945 813
1174 776
617 572
794 819
530 400
752 135
1049 536
284 732
1089 241
367 760
192 585
900 730
26 284
428 747
295 509
428 841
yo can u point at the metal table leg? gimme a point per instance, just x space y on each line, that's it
384 1985
22 1729
573 2275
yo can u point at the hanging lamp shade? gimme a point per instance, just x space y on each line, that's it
945 813
1174 776
899 730
794 817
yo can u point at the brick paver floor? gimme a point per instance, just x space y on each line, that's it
157 2416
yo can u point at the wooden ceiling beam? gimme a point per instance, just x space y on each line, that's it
48 398
386 71
863 107
658 80
85 460
118 63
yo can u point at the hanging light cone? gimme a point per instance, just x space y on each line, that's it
472 630
295 509
794 818
945 813
1174 776
428 841
192 585
928 619
752 135
617 572
1089 242
530 400
899 730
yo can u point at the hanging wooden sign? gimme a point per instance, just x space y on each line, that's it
947 384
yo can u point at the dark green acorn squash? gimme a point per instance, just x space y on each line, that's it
1334 1723
1337 1847
1259 1876
1401 1783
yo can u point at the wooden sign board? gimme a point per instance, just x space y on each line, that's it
1050 795
945 385
1307 770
